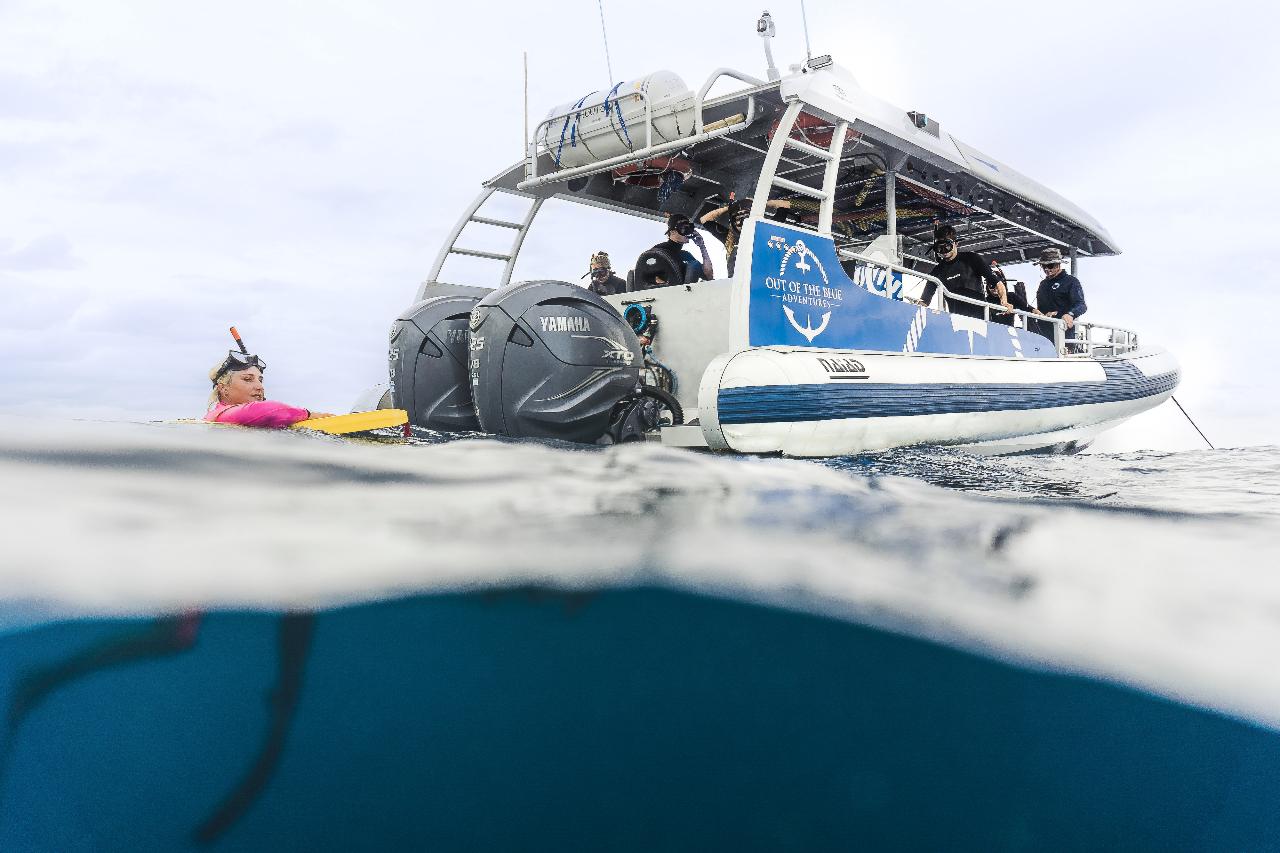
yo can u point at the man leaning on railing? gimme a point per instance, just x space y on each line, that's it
1059 295
963 274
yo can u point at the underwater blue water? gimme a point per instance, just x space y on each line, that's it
228 640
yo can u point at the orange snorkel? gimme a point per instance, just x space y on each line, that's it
239 342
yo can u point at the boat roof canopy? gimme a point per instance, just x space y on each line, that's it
996 210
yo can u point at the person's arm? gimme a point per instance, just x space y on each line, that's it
1006 298
713 215
930 288
264 413
1003 293
717 230
1077 301
707 273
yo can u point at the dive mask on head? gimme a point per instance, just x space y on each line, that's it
943 247
237 360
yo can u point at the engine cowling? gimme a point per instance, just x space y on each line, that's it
550 359
428 356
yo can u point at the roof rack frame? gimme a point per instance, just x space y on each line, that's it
702 132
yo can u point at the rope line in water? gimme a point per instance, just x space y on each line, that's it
1193 423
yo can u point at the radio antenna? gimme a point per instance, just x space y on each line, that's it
608 63
524 143
808 54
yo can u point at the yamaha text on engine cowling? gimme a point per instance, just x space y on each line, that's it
551 360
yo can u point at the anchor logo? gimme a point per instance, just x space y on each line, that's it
803 266
807 329
805 253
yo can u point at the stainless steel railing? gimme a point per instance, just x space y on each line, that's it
1087 340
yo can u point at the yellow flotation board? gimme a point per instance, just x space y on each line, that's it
356 421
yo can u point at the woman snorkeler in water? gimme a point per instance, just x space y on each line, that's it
239 397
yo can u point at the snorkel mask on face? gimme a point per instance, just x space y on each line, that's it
680 224
944 240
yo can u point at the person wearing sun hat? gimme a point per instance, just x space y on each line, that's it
1060 294
603 281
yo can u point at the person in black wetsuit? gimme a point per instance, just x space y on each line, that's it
680 230
603 281
964 274
1059 295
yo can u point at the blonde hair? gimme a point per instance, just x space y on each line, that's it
220 383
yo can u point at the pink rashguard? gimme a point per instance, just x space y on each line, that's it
265 413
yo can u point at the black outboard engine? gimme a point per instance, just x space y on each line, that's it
428 361
551 360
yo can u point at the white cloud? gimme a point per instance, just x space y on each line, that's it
48 252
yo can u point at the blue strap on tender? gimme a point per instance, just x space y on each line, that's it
573 142
617 105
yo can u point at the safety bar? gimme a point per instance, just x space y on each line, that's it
640 154
450 246
812 150
799 189
711 81
1119 340
1060 341
854 256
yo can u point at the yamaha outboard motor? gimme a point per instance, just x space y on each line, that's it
552 360
428 360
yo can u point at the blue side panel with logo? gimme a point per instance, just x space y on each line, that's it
801 296
879 280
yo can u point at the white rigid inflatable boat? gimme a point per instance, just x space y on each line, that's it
810 348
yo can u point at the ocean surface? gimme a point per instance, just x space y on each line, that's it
213 638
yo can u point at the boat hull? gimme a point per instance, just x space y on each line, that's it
813 402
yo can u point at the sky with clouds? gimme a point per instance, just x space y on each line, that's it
169 169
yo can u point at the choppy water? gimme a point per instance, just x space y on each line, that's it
592 642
